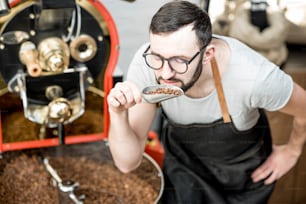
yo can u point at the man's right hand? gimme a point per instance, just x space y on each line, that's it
123 96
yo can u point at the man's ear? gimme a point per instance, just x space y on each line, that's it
208 54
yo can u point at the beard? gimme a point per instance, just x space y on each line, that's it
186 86
195 76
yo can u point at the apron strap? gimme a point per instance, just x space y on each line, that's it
218 84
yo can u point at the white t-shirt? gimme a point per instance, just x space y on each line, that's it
250 82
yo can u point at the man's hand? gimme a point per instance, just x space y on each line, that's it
123 96
282 159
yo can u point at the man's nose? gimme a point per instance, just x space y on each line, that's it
167 71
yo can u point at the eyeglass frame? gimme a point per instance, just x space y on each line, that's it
187 62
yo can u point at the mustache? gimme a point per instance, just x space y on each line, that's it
183 86
171 79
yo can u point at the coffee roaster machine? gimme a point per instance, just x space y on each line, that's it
51 53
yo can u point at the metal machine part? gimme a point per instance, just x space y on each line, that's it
60 110
50 53
83 48
53 54
53 92
4 7
14 37
28 55
66 186
38 95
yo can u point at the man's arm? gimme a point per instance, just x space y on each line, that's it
284 157
130 122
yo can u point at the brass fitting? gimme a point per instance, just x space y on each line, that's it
83 48
53 54
28 56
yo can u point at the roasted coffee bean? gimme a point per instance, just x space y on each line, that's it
165 91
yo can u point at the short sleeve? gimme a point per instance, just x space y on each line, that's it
272 89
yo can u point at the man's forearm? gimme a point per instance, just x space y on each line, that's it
125 146
298 136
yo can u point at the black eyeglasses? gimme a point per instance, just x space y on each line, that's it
177 64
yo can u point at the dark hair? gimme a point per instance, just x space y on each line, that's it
177 14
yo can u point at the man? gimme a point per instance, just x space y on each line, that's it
217 140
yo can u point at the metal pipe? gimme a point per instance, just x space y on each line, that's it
61 133
28 55
4 7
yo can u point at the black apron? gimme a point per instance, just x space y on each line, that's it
212 163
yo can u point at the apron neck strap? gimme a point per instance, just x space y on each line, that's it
218 84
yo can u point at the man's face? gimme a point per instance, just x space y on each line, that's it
182 44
